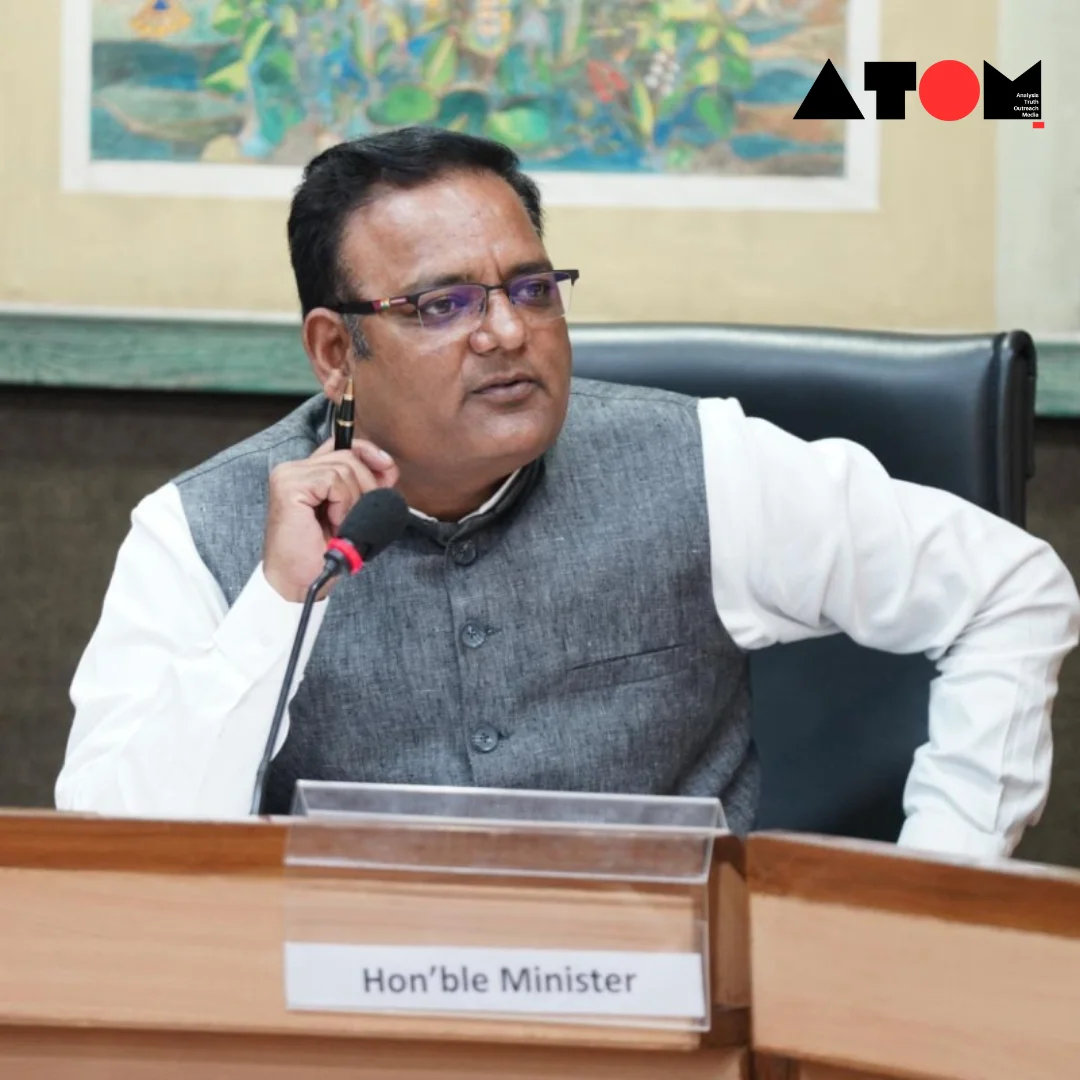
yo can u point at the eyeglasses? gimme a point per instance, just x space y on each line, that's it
461 308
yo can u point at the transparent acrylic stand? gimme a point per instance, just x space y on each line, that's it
490 904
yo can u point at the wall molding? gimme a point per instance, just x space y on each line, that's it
252 353
1058 385
152 352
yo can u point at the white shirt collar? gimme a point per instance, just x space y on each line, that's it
480 510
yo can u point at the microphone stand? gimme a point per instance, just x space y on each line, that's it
332 569
375 521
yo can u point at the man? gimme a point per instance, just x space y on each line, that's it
585 568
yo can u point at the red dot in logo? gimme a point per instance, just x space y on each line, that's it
949 90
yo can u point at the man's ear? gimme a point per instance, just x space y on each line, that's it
327 343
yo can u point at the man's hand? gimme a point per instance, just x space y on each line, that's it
308 502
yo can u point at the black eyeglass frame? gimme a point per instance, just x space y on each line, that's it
375 307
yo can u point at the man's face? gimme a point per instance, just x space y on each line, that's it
421 394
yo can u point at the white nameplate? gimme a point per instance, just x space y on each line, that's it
365 978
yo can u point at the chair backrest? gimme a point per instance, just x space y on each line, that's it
836 724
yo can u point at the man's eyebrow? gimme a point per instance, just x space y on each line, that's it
535 266
425 283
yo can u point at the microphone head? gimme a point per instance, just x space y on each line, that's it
375 522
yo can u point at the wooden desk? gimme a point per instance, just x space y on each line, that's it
869 959
134 950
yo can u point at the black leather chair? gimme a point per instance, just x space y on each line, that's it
836 724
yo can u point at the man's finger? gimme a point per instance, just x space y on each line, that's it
354 476
386 475
346 488
374 457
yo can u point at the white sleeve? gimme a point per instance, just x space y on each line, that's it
175 691
809 539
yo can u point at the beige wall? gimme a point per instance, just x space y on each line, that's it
1038 226
925 260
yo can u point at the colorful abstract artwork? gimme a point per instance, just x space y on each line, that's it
601 89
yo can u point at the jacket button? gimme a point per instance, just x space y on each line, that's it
463 552
473 635
485 739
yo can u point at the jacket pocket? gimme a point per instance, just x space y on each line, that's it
628 668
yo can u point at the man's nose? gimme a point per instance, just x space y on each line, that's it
503 321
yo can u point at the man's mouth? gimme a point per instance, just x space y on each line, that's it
512 387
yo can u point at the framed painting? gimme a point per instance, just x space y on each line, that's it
653 103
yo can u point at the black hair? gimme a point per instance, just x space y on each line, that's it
352 174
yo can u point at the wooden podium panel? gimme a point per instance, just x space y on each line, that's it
870 959
69 1054
133 949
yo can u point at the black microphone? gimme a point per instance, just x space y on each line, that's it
372 525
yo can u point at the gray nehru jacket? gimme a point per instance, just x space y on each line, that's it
565 639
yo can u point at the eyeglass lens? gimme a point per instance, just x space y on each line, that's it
536 297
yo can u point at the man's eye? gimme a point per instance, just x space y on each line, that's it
533 290
442 306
